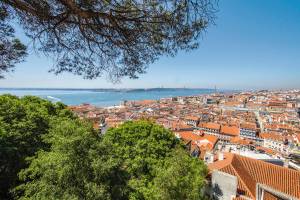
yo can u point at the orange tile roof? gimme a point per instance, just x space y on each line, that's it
199 140
189 135
239 140
285 126
271 126
210 125
251 126
251 171
267 150
194 118
269 196
230 130
272 136
145 102
211 138
180 125
233 103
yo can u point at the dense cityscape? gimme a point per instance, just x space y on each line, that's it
149 100
250 141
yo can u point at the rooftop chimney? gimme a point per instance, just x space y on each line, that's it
220 156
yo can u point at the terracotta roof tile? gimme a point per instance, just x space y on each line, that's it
230 130
251 126
204 141
272 136
210 125
267 150
194 118
239 140
269 196
251 171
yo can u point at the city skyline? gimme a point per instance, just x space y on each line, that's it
220 121
256 50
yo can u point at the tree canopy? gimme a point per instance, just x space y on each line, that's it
12 51
135 161
23 123
48 153
115 37
75 167
188 184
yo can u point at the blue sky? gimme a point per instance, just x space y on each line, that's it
255 44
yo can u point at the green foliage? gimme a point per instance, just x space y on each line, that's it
155 162
57 156
12 51
118 38
66 171
140 146
138 160
23 122
188 184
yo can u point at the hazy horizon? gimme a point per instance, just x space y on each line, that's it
150 88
